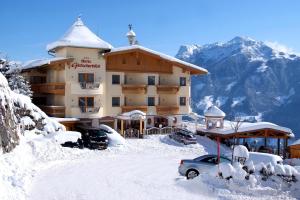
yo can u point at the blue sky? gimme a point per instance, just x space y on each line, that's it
28 26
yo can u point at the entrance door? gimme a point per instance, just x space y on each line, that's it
160 120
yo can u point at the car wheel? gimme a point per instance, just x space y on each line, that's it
192 173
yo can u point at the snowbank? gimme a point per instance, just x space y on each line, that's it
35 152
114 138
66 136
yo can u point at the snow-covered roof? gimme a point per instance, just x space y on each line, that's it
132 115
297 142
246 127
163 56
214 111
79 35
40 62
131 33
66 119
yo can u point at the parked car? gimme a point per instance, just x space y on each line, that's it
184 136
257 158
264 149
202 164
92 137
114 138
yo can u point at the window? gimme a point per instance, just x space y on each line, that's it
182 101
115 101
210 160
151 101
86 77
115 79
182 81
85 103
151 80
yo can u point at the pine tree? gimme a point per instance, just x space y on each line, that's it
18 84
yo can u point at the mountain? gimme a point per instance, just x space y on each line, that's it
248 78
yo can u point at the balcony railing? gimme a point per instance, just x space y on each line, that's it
89 85
164 109
85 109
130 108
167 89
49 88
54 111
134 89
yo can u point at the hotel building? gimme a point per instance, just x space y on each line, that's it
88 79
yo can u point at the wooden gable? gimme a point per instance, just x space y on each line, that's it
137 61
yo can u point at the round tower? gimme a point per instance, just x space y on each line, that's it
214 117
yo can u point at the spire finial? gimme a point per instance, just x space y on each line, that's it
79 22
130 26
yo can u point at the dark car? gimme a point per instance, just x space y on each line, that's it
93 138
264 149
184 136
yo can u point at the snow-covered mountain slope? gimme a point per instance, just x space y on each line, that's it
247 77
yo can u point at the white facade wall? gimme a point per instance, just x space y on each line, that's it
103 95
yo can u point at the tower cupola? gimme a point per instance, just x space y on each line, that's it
131 36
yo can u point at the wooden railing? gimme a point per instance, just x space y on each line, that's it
49 88
163 109
134 89
130 108
164 130
167 89
54 111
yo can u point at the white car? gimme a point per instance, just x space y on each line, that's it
265 158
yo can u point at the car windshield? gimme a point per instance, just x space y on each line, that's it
186 133
97 133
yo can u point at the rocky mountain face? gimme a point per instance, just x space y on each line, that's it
17 115
8 122
247 78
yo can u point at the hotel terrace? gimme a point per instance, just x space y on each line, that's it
88 80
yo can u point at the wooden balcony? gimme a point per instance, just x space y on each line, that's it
130 108
49 88
167 89
54 111
167 110
134 89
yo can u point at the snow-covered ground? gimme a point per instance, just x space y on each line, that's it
140 169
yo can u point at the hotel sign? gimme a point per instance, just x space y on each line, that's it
84 63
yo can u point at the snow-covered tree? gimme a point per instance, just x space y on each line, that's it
18 84
4 66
